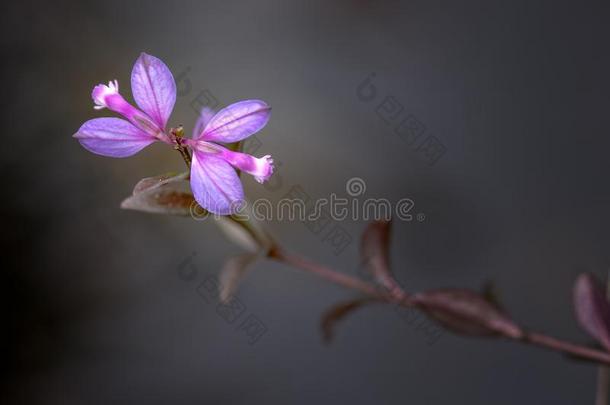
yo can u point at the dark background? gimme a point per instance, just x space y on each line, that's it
518 93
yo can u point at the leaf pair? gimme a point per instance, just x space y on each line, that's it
462 311
170 194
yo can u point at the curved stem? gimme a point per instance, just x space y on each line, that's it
395 296
401 298
329 274
186 156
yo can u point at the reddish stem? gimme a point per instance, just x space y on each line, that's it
398 296
566 347
329 274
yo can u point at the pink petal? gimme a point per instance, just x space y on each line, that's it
215 184
204 117
113 137
154 88
260 168
237 121
109 97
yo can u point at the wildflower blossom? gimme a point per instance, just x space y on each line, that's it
214 181
154 91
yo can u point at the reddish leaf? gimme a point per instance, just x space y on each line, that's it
374 251
592 308
232 273
466 312
337 313
149 183
162 195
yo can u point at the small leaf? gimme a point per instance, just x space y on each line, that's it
162 195
232 273
338 312
238 233
466 312
246 231
374 252
592 308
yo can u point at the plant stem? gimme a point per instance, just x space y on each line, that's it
329 274
176 136
402 298
186 156
552 343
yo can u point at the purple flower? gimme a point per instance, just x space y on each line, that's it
154 91
214 181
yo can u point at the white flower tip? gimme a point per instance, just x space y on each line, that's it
265 168
101 91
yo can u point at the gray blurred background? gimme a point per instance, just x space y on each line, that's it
517 93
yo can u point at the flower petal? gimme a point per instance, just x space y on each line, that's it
113 137
260 168
237 121
154 88
215 184
109 97
204 117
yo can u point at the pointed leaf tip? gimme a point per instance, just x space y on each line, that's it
148 183
165 194
338 312
375 253
233 272
592 308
